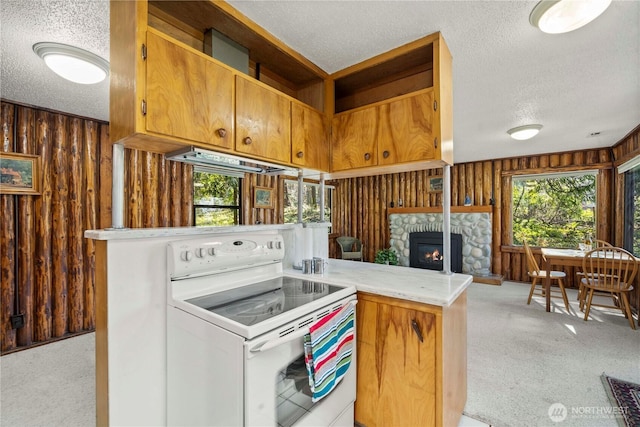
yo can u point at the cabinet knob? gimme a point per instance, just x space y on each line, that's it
367 156
385 154
222 132
247 140
299 154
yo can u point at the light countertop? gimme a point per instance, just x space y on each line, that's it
413 284
144 233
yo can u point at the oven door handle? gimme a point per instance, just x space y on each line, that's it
279 341
287 338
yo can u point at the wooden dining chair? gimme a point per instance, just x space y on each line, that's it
601 244
596 244
610 270
539 276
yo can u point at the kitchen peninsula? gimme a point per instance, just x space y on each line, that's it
411 327
412 342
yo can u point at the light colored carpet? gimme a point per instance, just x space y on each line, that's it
521 359
50 385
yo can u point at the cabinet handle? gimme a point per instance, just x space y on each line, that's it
435 105
247 141
385 154
416 329
435 142
299 154
222 132
367 156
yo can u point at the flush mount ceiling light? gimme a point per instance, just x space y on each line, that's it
562 16
72 63
524 132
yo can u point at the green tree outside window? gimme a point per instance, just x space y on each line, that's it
554 211
216 199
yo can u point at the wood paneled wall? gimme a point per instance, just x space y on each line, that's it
361 203
45 257
46 263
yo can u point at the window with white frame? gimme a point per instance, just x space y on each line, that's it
554 210
310 202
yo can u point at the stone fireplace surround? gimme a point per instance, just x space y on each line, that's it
475 228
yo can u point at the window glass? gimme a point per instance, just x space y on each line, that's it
554 210
310 202
216 199
632 210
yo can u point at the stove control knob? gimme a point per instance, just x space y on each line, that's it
278 244
212 251
186 256
200 252
270 244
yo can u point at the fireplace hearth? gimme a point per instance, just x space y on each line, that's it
426 251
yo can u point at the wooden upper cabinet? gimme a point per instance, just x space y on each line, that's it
409 92
353 143
263 121
309 138
406 130
165 93
188 96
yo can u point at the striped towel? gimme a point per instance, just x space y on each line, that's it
327 350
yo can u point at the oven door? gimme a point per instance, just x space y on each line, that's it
277 386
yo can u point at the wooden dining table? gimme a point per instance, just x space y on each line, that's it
563 257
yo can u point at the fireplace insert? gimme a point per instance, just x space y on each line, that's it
426 251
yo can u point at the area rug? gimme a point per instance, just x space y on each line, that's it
625 399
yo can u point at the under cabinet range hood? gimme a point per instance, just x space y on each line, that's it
226 164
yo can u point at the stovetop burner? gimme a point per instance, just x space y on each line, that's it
254 303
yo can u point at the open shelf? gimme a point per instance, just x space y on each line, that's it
401 71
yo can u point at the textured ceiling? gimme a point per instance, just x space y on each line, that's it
506 73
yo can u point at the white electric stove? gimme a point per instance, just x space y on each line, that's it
235 324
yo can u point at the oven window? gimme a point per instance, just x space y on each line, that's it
293 397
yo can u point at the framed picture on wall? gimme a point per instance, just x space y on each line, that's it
263 197
19 173
434 185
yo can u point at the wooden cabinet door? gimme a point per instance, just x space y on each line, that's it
396 370
353 143
187 95
407 130
263 122
309 138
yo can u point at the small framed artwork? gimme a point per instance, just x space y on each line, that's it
19 173
263 197
434 185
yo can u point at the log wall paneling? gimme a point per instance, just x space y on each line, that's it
59 206
43 252
42 302
496 193
7 270
90 195
361 203
76 228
